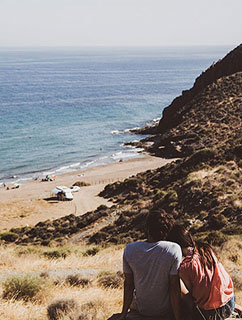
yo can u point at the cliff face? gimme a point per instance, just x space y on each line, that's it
210 119
230 64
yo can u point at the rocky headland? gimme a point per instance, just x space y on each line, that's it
202 189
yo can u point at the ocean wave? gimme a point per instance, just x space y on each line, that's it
153 122
75 165
130 130
133 153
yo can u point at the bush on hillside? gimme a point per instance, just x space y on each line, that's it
216 238
57 253
91 252
110 280
9 236
25 288
76 280
217 221
200 156
63 309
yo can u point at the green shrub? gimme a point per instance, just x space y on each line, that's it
9 236
171 196
200 156
57 253
102 207
91 252
159 194
28 250
25 288
217 221
98 237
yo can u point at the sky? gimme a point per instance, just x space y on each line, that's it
120 22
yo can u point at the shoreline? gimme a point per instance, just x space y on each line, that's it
121 155
32 202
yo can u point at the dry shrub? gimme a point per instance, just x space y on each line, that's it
67 309
91 252
23 288
110 280
230 254
94 310
58 253
216 238
76 280
81 184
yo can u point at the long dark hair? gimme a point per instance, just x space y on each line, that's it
182 236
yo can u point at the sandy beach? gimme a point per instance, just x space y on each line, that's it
30 203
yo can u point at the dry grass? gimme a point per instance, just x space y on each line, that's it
230 255
96 303
10 259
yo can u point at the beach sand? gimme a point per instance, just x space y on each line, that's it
29 204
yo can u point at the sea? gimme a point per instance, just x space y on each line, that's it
65 109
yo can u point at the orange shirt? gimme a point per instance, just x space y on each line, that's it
211 288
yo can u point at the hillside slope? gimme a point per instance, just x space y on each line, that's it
230 64
203 189
210 119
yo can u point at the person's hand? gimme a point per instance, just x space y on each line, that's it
117 316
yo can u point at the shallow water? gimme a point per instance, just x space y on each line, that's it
68 109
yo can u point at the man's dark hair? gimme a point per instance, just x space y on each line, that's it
159 224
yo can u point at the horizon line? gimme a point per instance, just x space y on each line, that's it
117 46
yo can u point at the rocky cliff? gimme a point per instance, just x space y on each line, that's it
207 115
230 64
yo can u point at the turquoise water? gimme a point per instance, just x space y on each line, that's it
67 109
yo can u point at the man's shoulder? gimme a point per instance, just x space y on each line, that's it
167 246
172 246
135 244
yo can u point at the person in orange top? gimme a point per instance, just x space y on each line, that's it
209 285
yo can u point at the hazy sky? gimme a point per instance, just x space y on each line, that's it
120 22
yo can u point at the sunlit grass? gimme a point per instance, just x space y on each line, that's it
94 300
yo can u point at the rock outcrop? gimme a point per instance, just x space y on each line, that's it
230 64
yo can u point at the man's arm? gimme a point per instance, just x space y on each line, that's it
127 298
175 295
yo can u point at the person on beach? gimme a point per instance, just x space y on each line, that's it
151 274
209 293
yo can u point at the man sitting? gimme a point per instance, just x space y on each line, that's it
151 274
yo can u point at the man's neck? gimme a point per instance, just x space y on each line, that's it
150 239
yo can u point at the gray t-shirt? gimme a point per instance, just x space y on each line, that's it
151 264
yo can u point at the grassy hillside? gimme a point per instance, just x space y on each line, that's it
34 278
202 189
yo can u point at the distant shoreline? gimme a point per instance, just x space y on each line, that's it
135 153
32 203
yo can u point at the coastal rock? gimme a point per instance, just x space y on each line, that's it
211 118
230 64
